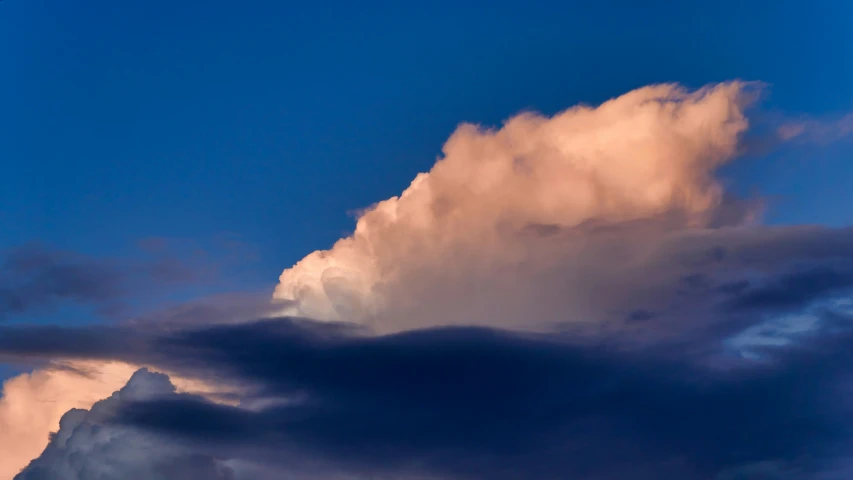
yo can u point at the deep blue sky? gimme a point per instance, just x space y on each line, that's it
121 120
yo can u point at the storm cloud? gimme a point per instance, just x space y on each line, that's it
470 402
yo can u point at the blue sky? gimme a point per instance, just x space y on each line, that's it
273 120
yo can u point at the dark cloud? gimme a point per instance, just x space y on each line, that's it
95 342
792 289
214 309
482 403
640 315
477 403
667 394
36 278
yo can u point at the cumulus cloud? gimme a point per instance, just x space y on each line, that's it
36 278
88 448
647 154
32 404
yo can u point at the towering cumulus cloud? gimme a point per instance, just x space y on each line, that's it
650 153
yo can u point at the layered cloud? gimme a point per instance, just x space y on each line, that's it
570 296
474 402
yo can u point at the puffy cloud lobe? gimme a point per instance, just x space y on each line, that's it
86 447
32 404
648 153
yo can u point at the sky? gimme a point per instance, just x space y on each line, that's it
654 194
146 119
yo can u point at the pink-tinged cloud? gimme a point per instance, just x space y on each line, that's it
31 405
466 225
821 131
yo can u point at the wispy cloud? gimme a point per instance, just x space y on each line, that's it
817 130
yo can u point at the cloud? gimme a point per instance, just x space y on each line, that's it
32 404
795 289
36 278
573 296
647 153
821 131
33 277
579 200
595 276
724 280
695 382
473 402
87 448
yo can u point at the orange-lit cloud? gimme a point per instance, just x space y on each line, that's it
31 405
819 131
464 226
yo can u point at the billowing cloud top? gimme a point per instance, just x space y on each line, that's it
648 153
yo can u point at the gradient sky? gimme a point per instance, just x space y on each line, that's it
127 120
